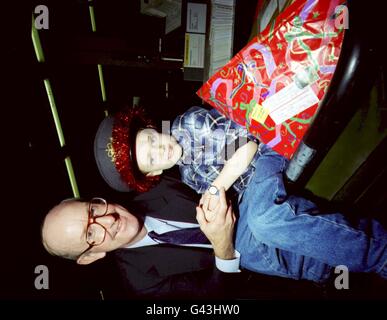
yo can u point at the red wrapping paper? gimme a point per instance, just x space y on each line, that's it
276 83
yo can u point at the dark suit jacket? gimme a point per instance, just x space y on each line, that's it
169 271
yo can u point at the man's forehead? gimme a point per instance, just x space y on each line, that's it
76 208
74 214
65 228
75 226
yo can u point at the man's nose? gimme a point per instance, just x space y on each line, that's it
108 220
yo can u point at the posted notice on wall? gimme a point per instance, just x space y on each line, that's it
194 50
196 17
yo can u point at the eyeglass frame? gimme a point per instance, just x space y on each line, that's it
91 220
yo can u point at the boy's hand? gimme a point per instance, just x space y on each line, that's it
220 229
210 202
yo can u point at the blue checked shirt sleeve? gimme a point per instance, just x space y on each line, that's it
209 126
234 130
198 174
195 181
214 123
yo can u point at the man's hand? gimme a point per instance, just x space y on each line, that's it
220 229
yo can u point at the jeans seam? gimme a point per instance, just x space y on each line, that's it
316 277
269 261
344 227
320 278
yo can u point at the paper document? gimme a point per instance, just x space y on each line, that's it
289 101
196 17
194 50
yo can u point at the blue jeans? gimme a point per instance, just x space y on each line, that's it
284 235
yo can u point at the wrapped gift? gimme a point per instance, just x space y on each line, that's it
275 84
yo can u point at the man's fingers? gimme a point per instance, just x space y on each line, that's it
230 213
200 216
201 200
217 204
222 197
206 201
221 209
213 204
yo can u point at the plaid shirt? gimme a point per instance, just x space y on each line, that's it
208 139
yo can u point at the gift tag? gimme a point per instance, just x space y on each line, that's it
259 113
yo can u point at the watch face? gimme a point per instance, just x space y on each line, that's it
213 190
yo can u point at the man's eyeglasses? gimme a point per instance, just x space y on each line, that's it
96 232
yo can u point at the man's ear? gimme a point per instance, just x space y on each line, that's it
89 257
154 173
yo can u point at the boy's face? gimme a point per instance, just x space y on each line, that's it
156 152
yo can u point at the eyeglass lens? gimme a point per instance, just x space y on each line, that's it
95 232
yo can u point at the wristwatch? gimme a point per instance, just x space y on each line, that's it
213 190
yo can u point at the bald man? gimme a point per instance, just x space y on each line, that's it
87 231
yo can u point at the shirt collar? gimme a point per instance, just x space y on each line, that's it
150 225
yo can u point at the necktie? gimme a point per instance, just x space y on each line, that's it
181 236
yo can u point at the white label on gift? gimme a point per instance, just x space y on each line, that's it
289 101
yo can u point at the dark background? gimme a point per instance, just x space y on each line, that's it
34 175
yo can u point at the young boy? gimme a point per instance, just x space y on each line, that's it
211 151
